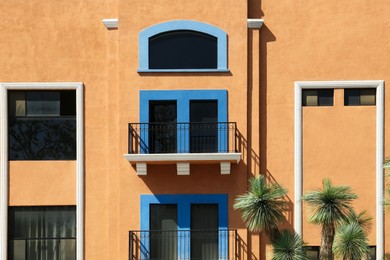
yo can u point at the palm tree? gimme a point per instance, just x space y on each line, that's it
262 206
329 207
288 246
362 219
351 242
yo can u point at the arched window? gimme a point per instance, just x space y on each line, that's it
182 46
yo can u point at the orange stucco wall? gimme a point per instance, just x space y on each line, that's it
42 183
47 40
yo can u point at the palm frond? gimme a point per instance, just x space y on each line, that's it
288 246
351 242
331 204
362 219
262 206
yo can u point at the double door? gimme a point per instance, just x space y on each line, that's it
169 241
166 135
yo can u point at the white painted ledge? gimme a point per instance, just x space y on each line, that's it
183 160
111 23
255 23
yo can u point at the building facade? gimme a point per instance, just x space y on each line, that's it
128 128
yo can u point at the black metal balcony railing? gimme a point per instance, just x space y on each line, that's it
183 244
147 138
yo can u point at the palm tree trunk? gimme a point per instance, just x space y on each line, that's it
328 232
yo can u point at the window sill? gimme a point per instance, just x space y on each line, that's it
181 70
183 160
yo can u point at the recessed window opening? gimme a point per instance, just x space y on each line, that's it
42 125
317 97
183 49
360 97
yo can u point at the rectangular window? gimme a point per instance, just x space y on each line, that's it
42 233
317 97
163 231
360 97
42 125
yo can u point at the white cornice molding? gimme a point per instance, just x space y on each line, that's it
255 23
78 87
111 23
298 171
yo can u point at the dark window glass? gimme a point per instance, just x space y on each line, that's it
204 126
204 231
42 233
42 125
162 127
372 252
317 97
312 252
163 234
183 49
360 97
43 103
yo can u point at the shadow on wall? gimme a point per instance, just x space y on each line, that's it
254 161
242 250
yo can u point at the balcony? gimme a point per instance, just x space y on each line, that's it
182 143
219 244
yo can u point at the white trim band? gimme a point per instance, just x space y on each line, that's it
298 174
78 86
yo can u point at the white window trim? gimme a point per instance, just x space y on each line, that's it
298 176
78 86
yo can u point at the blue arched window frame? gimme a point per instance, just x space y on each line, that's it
143 44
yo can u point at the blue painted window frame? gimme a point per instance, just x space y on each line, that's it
144 35
183 202
183 99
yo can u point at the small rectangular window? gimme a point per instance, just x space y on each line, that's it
317 97
42 125
360 97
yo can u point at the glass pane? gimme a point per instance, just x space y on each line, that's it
368 97
17 250
204 231
17 103
162 127
42 249
372 252
309 97
43 103
204 127
42 222
183 49
42 139
163 238
325 97
67 249
68 103
351 97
